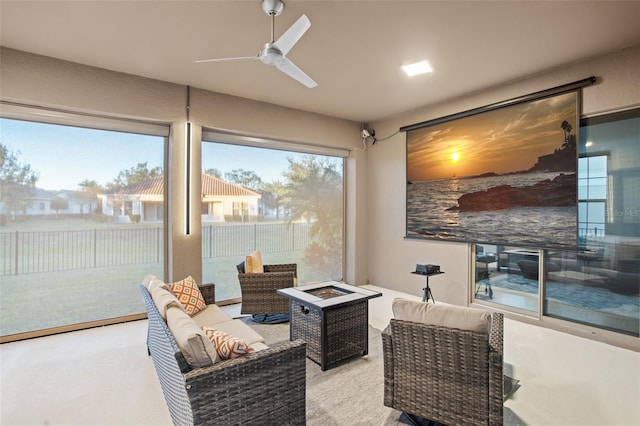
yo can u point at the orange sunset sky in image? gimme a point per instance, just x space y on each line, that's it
504 140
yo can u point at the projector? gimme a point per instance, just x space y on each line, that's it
427 269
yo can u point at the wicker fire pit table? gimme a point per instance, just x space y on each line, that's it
332 318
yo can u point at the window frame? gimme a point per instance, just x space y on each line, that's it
213 135
44 115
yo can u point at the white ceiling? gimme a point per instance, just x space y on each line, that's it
354 49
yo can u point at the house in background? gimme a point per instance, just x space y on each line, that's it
221 201
46 202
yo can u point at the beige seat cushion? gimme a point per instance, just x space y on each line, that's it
442 314
211 316
192 341
253 263
258 346
241 330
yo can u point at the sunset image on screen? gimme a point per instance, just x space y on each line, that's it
501 141
514 166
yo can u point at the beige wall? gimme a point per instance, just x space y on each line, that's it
37 80
390 256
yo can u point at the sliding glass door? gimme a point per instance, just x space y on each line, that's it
598 283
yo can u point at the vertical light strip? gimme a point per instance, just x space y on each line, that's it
187 170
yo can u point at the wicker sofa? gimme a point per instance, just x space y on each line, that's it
263 387
444 363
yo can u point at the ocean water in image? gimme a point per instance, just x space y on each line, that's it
428 215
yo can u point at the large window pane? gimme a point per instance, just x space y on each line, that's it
507 276
599 284
585 287
81 223
286 204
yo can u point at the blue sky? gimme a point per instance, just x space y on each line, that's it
64 156
269 164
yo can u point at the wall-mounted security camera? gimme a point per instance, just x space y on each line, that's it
369 134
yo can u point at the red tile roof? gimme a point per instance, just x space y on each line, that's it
211 186
153 186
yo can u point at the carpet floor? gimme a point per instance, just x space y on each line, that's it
347 394
350 393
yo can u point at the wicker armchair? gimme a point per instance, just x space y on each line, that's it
259 297
447 375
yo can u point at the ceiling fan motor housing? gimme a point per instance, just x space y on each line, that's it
272 7
271 55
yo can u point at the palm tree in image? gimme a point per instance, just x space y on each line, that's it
314 194
566 127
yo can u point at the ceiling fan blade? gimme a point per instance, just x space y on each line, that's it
293 34
296 73
226 59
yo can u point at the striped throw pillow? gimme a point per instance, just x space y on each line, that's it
227 345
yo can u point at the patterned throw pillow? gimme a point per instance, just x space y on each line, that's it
227 345
188 293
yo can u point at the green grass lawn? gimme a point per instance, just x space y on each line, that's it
38 301
44 300
41 300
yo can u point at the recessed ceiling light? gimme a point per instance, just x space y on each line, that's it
421 67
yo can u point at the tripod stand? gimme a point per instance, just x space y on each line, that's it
427 294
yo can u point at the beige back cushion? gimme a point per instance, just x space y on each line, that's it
192 341
253 263
163 298
442 314
152 279
409 310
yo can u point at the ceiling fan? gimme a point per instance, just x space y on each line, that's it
274 52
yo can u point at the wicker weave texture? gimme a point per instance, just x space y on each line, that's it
259 290
163 348
208 293
264 387
332 335
447 375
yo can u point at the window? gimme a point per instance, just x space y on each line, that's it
287 204
592 195
240 211
81 221
508 276
599 283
